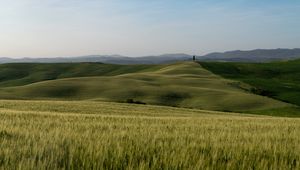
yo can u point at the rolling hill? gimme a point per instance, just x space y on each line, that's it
184 84
17 74
279 80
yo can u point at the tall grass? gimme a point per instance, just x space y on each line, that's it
97 135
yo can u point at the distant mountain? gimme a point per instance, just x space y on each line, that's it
259 55
110 59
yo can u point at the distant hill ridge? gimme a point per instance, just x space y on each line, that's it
108 59
259 55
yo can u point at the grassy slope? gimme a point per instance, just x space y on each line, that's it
182 84
22 74
100 135
280 79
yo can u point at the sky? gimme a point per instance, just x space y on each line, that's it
62 28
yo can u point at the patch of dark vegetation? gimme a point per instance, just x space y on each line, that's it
262 92
132 101
62 92
173 98
5 135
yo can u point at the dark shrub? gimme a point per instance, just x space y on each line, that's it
261 92
129 101
134 102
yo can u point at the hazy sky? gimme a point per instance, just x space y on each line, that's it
49 28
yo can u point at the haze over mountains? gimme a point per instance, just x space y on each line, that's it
109 59
259 55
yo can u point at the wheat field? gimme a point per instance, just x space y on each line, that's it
102 135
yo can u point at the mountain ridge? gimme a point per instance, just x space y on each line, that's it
257 55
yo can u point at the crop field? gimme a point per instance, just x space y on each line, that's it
103 135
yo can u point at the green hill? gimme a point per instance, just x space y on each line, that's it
184 84
26 73
279 80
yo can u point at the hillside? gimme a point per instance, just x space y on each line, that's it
184 84
25 73
279 80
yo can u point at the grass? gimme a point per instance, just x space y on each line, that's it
19 74
66 119
184 84
282 112
279 80
103 135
